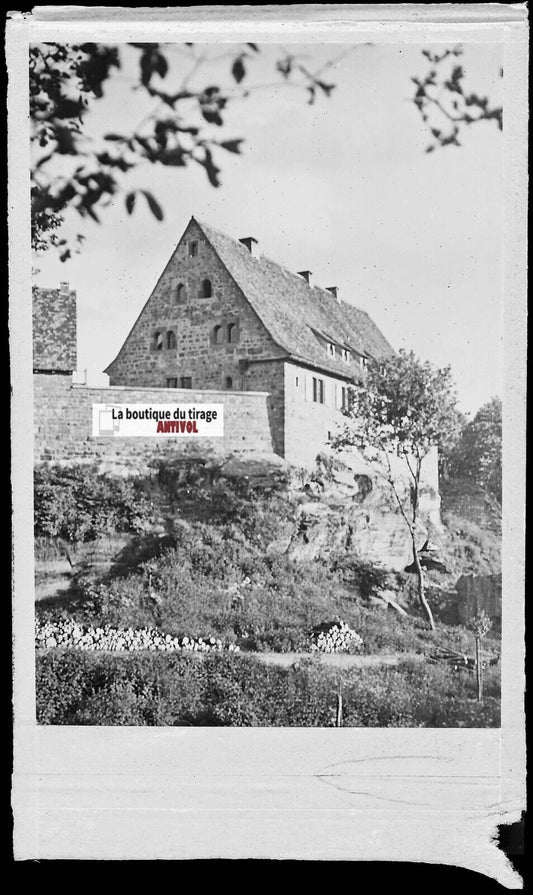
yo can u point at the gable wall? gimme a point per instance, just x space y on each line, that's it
193 320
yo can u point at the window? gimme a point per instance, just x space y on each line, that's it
331 349
318 390
171 339
363 362
345 354
180 294
297 382
158 341
193 249
344 397
172 382
186 382
218 335
207 290
229 382
233 332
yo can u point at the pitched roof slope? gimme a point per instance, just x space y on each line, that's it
293 311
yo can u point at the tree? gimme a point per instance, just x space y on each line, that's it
71 171
446 107
403 409
65 82
478 453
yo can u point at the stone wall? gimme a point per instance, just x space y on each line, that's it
309 424
54 329
63 423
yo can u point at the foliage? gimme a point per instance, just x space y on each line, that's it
478 453
446 107
66 81
481 624
76 504
233 690
470 549
403 409
367 578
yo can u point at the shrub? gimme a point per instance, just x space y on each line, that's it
365 577
232 690
76 504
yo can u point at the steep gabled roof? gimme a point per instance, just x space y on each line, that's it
293 311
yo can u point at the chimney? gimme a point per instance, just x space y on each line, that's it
64 287
251 244
307 275
334 291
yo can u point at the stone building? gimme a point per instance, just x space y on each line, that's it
223 316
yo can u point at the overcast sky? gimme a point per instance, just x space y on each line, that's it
342 187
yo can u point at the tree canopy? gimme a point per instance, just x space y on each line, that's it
185 124
180 129
478 452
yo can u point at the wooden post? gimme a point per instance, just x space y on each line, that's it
479 669
338 720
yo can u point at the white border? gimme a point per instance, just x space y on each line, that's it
409 795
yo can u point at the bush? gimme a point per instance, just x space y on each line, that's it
365 577
232 690
76 504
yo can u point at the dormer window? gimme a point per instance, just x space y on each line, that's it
363 362
207 290
331 349
345 355
171 339
193 249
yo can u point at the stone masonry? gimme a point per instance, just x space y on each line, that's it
63 423
54 329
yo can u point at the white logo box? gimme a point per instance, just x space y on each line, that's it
158 420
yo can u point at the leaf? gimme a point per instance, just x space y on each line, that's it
160 64
238 70
130 202
68 108
212 116
327 88
117 137
253 47
153 205
232 145
211 169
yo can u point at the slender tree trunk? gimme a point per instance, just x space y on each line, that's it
479 669
421 585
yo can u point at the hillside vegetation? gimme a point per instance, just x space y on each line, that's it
209 560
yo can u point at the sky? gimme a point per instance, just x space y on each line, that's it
343 187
